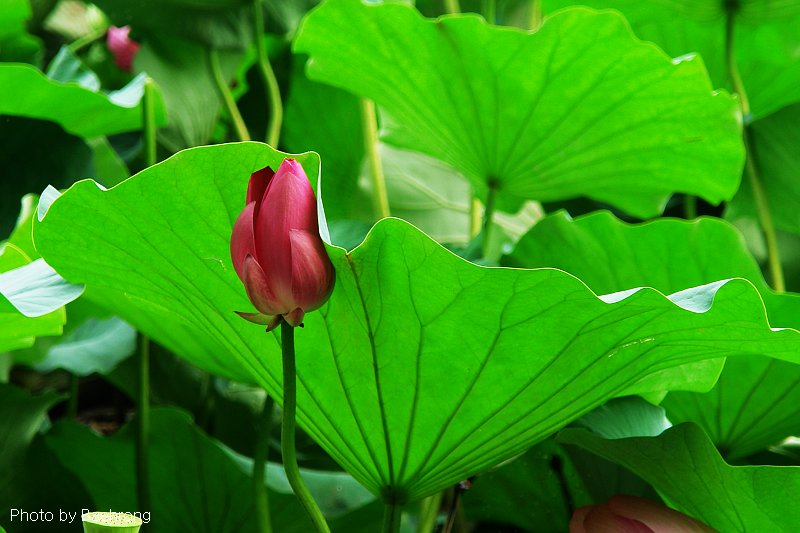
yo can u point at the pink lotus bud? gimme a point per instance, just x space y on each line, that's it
123 48
276 248
629 514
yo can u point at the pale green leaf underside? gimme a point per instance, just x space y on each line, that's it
579 108
686 469
78 110
757 400
17 330
423 368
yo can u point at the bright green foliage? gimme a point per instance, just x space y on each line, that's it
756 401
78 110
544 116
686 469
390 382
765 40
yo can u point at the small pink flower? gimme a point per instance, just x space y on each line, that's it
629 514
276 248
123 47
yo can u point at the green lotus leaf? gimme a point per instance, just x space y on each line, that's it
765 40
423 368
686 469
578 108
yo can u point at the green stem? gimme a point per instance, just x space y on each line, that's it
143 425
488 215
475 217
227 98
690 207
82 42
369 124
149 122
751 169
259 462
391 518
74 389
489 9
429 512
452 6
270 81
535 15
288 431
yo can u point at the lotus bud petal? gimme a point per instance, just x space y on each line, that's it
630 514
276 249
122 47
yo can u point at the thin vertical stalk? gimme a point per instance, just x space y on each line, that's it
429 512
690 206
143 356
270 81
227 98
369 125
259 462
288 431
489 9
452 6
475 217
391 518
534 14
488 215
143 425
751 169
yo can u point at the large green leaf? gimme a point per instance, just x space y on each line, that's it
78 110
686 469
579 108
757 400
422 368
766 40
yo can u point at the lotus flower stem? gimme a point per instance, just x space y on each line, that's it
369 124
690 206
288 431
259 461
227 98
452 6
270 81
751 169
